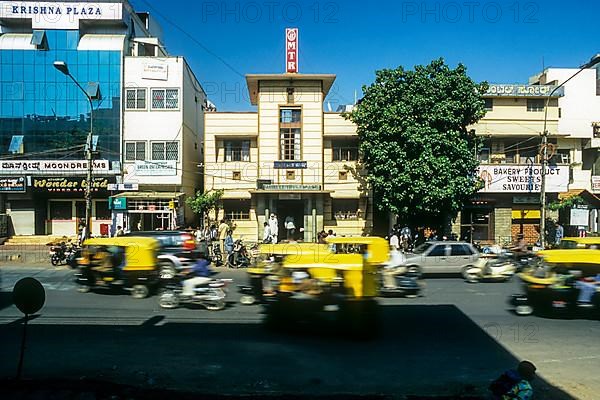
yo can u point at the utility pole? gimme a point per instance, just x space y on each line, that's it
62 67
544 148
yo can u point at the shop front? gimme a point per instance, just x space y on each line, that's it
147 211
509 203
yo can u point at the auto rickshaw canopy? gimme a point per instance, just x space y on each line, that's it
377 249
140 252
579 242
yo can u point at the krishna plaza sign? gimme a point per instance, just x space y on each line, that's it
57 15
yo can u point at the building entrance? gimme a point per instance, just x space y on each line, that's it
290 211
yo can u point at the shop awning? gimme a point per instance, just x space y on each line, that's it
150 195
290 191
589 197
526 214
93 41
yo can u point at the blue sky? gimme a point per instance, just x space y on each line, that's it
498 41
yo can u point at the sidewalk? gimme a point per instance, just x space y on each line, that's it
26 254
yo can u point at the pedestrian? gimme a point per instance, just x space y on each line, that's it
198 234
331 235
267 238
394 241
514 384
274 227
228 243
223 228
119 231
322 236
290 227
559 233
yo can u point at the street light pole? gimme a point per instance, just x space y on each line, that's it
62 67
544 148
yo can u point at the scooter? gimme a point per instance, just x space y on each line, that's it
500 269
210 295
406 286
405 283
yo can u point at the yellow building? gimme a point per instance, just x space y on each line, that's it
289 158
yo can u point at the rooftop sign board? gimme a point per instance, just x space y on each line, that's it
523 90
291 50
57 15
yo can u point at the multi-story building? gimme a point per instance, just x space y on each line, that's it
509 203
289 158
579 132
45 118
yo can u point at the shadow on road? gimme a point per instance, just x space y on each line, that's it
5 299
421 350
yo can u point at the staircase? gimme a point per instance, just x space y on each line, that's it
40 240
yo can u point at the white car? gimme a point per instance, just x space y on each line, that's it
441 258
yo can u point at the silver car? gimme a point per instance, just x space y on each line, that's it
441 258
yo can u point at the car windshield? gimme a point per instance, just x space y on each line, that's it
422 248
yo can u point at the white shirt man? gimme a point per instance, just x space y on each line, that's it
394 242
274 227
267 237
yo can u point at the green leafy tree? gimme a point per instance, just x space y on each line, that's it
203 203
415 141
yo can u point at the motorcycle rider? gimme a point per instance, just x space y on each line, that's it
198 275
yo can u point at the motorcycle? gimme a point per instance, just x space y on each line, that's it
64 254
210 295
491 269
239 257
216 257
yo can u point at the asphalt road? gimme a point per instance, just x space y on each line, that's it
453 340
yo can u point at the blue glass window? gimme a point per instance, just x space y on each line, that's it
16 144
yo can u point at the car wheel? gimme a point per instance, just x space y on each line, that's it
140 291
414 270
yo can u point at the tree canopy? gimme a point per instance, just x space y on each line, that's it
204 202
415 140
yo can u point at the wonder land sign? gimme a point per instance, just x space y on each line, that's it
522 178
54 15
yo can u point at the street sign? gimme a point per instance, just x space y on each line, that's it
13 185
117 203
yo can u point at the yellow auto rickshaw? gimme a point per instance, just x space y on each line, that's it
265 274
314 286
557 282
128 263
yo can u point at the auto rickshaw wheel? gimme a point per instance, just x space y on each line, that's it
524 310
83 289
167 270
140 291
247 300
